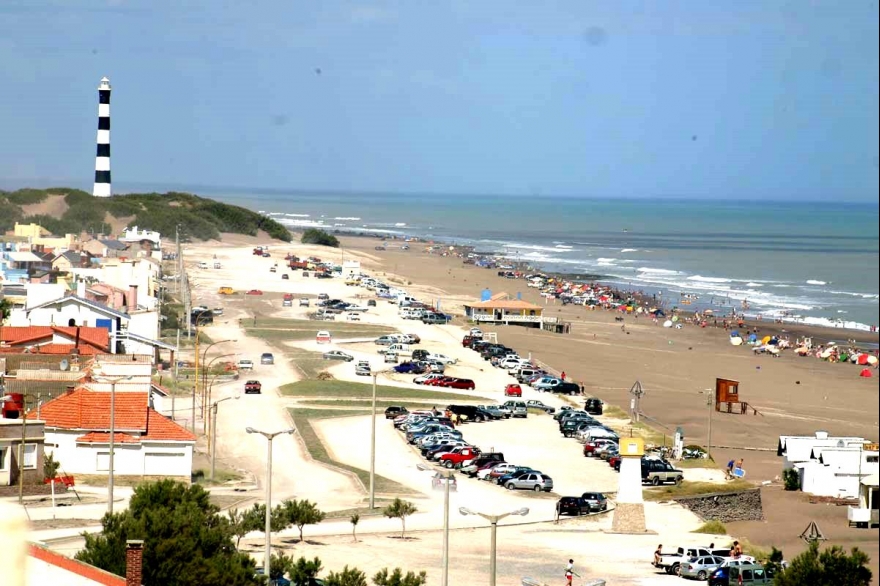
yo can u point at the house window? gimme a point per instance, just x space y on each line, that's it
103 462
872 459
30 456
3 452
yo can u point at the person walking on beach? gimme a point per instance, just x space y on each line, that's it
657 555
570 573
562 376
730 469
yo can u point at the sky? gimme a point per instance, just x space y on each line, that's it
598 98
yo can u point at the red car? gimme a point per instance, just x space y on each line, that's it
437 382
591 447
614 462
459 383
254 292
253 386
513 391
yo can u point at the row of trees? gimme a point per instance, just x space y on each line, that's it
303 572
289 513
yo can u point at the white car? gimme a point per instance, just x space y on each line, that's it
353 317
441 358
359 308
422 379
504 467
475 333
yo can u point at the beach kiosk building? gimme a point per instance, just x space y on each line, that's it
506 312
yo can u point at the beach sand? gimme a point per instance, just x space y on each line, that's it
676 368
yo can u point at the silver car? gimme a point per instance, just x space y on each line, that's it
700 567
493 411
531 481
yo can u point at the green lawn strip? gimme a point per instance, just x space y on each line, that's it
309 363
361 511
302 420
353 390
670 491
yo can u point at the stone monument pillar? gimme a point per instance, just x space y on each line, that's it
629 516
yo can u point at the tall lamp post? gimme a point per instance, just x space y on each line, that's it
112 380
375 375
449 476
204 355
21 448
214 430
206 397
269 437
493 519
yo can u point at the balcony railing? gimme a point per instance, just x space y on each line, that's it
490 317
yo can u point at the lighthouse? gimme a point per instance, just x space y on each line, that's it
102 157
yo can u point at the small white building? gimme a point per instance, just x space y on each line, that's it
351 269
146 442
829 466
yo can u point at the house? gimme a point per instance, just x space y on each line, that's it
506 312
30 231
70 259
56 339
147 444
145 243
867 512
45 566
829 466
105 248
10 445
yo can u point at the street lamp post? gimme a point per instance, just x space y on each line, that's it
206 397
373 444
214 430
493 519
269 437
112 380
448 475
196 382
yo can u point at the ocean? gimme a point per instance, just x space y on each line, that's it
815 262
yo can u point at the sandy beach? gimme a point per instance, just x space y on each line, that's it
792 395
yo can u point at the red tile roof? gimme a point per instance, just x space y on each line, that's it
15 335
84 409
84 350
73 566
90 410
160 428
97 437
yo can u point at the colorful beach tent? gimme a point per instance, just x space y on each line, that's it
862 359
872 360
667 324
866 373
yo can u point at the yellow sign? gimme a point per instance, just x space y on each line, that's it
632 446
872 447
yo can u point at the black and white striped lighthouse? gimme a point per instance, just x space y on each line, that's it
102 157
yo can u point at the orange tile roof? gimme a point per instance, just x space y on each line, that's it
97 437
160 428
84 350
98 337
73 566
84 409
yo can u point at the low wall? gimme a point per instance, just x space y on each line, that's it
726 506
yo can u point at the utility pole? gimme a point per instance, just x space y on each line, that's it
636 391
709 402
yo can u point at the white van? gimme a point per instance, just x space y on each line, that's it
203 265
399 349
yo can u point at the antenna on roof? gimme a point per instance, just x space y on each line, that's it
64 364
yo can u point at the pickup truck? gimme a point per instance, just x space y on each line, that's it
657 472
671 562
539 405
458 456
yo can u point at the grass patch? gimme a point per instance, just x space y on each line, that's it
310 364
696 463
362 511
302 420
352 390
711 528
670 491
614 412
758 552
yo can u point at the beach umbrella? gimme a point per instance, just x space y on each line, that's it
736 340
667 324
866 373
872 360
825 353
766 340
862 359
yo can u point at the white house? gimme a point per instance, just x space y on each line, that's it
829 466
146 443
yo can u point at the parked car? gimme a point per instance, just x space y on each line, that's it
517 408
572 505
409 368
513 391
439 482
458 383
395 410
425 378
285 276
544 383
363 369
751 574
658 472
458 456
596 500
564 388
442 358
539 405
590 447
253 387
254 292
531 481
267 358
700 567
493 411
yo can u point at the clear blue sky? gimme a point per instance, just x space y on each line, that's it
729 99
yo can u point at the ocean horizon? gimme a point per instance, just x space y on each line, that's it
816 262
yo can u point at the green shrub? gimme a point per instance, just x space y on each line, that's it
26 196
712 528
791 479
316 236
